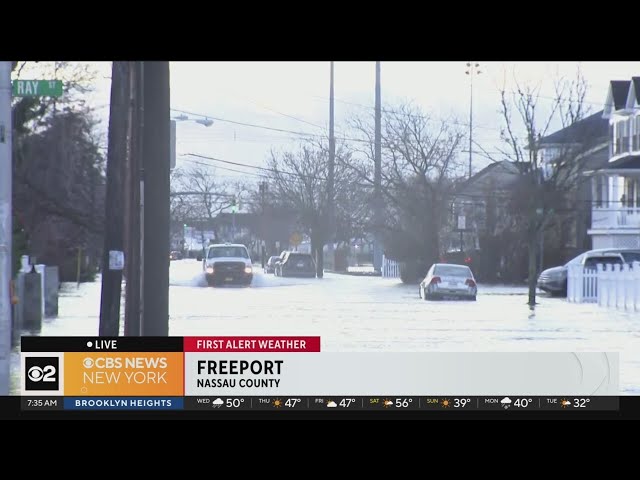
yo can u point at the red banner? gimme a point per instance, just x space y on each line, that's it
251 344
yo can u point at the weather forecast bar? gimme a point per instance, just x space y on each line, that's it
359 403
423 403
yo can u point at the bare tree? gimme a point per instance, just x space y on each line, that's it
419 161
545 182
199 195
298 181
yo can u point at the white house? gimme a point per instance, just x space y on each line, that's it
615 215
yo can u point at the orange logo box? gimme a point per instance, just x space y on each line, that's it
123 374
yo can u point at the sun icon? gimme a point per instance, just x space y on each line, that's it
386 403
446 403
277 403
565 403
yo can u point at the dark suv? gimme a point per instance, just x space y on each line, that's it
296 264
554 280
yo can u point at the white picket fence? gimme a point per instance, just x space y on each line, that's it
390 268
582 284
613 286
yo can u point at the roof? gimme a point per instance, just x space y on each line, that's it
636 87
228 245
620 90
626 162
496 175
592 127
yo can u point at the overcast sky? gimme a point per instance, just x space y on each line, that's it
269 94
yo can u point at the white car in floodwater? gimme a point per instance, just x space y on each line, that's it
446 280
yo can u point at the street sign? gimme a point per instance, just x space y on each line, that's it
116 260
295 239
37 88
461 222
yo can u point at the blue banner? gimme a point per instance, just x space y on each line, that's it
124 403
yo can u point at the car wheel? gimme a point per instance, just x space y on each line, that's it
211 282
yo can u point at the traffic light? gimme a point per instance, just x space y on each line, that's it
234 204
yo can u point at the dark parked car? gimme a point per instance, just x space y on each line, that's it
270 266
554 280
297 264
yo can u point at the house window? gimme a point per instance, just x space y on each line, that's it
599 192
636 133
620 137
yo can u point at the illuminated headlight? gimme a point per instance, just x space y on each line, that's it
209 269
248 270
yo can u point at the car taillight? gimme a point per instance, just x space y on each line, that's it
434 281
467 260
470 282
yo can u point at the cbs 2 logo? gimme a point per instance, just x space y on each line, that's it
46 374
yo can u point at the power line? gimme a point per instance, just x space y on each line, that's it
225 168
298 176
285 114
313 135
505 196
410 115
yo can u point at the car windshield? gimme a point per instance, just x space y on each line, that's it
591 262
452 271
219 252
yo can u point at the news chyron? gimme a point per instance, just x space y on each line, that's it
288 373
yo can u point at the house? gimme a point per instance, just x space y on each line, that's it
487 223
585 144
615 211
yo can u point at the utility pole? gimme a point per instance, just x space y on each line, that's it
113 254
140 162
377 178
263 243
472 69
331 207
6 228
156 145
234 209
133 264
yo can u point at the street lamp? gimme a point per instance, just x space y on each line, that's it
473 68
207 122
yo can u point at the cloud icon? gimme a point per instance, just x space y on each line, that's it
505 400
332 404
388 402
218 401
